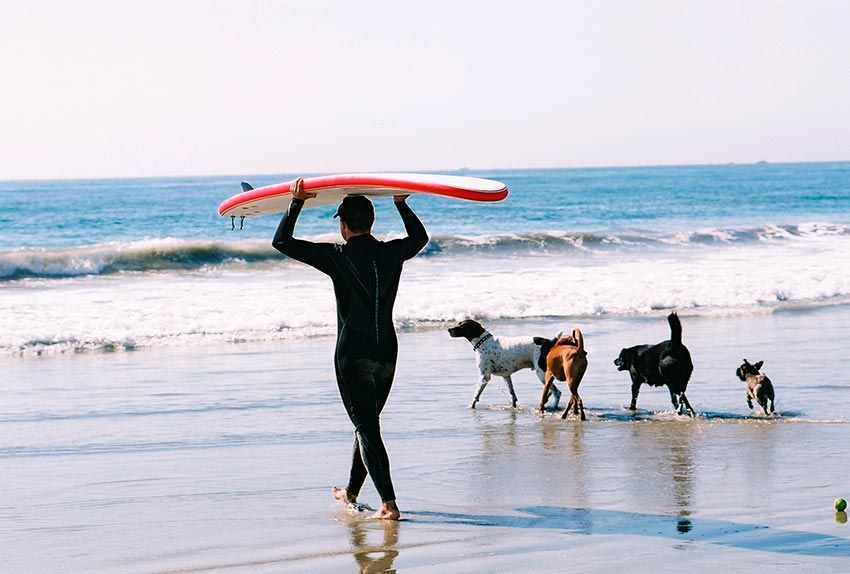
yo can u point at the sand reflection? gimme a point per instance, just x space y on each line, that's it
663 467
497 434
371 557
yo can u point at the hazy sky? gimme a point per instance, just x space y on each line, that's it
127 88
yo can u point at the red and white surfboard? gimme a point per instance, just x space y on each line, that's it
332 188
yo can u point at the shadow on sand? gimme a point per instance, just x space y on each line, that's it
679 528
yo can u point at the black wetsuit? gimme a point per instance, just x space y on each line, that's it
365 274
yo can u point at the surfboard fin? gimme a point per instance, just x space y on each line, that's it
246 186
233 222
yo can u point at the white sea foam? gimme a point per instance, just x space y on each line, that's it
237 302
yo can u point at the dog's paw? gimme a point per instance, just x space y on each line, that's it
471 406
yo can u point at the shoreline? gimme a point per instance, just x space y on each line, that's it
324 333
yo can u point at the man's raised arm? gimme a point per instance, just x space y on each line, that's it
417 236
314 254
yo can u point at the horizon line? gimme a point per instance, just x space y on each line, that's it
311 173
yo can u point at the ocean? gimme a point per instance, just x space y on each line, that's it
169 404
112 264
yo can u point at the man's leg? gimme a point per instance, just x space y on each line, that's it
364 387
357 476
383 385
369 388
374 455
358 471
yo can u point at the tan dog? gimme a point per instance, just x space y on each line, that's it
567 361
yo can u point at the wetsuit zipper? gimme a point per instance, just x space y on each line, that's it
377 291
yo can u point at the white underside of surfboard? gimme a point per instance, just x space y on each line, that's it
332 189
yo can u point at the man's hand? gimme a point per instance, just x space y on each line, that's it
297 190
400 198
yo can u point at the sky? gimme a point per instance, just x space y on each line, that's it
181 87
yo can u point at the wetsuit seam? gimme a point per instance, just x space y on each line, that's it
377 297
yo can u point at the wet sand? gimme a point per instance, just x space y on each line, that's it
198 459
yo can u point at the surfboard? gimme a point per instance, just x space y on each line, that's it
332 188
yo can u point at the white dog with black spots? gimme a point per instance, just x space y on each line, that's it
504 356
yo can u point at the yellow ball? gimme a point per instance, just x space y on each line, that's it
840 504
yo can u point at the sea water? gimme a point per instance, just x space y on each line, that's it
169 405
130 263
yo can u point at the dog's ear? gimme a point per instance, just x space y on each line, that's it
471 327
758 365
541 341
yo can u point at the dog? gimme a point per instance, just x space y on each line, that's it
759 386
566 360
503 356
667 363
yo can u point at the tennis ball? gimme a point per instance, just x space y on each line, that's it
840 504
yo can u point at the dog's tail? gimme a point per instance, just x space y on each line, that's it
675 328
579 339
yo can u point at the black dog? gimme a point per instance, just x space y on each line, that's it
759 386
667 363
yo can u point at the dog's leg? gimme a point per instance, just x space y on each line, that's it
510 384
482 382
546 386
569 406
688 405
581 407
554 392
679 405
675 400
772 407
635 391
749 400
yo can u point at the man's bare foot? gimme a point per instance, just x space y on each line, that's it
388 511
342 495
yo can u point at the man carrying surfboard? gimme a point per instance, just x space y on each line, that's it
365 274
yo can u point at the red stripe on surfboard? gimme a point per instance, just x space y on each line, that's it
335 181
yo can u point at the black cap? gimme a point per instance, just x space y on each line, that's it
357 211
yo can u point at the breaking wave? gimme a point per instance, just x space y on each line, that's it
169 254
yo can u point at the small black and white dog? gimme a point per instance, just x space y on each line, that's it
759 386
504 356
667 363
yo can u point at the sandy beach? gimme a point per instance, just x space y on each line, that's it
221 459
